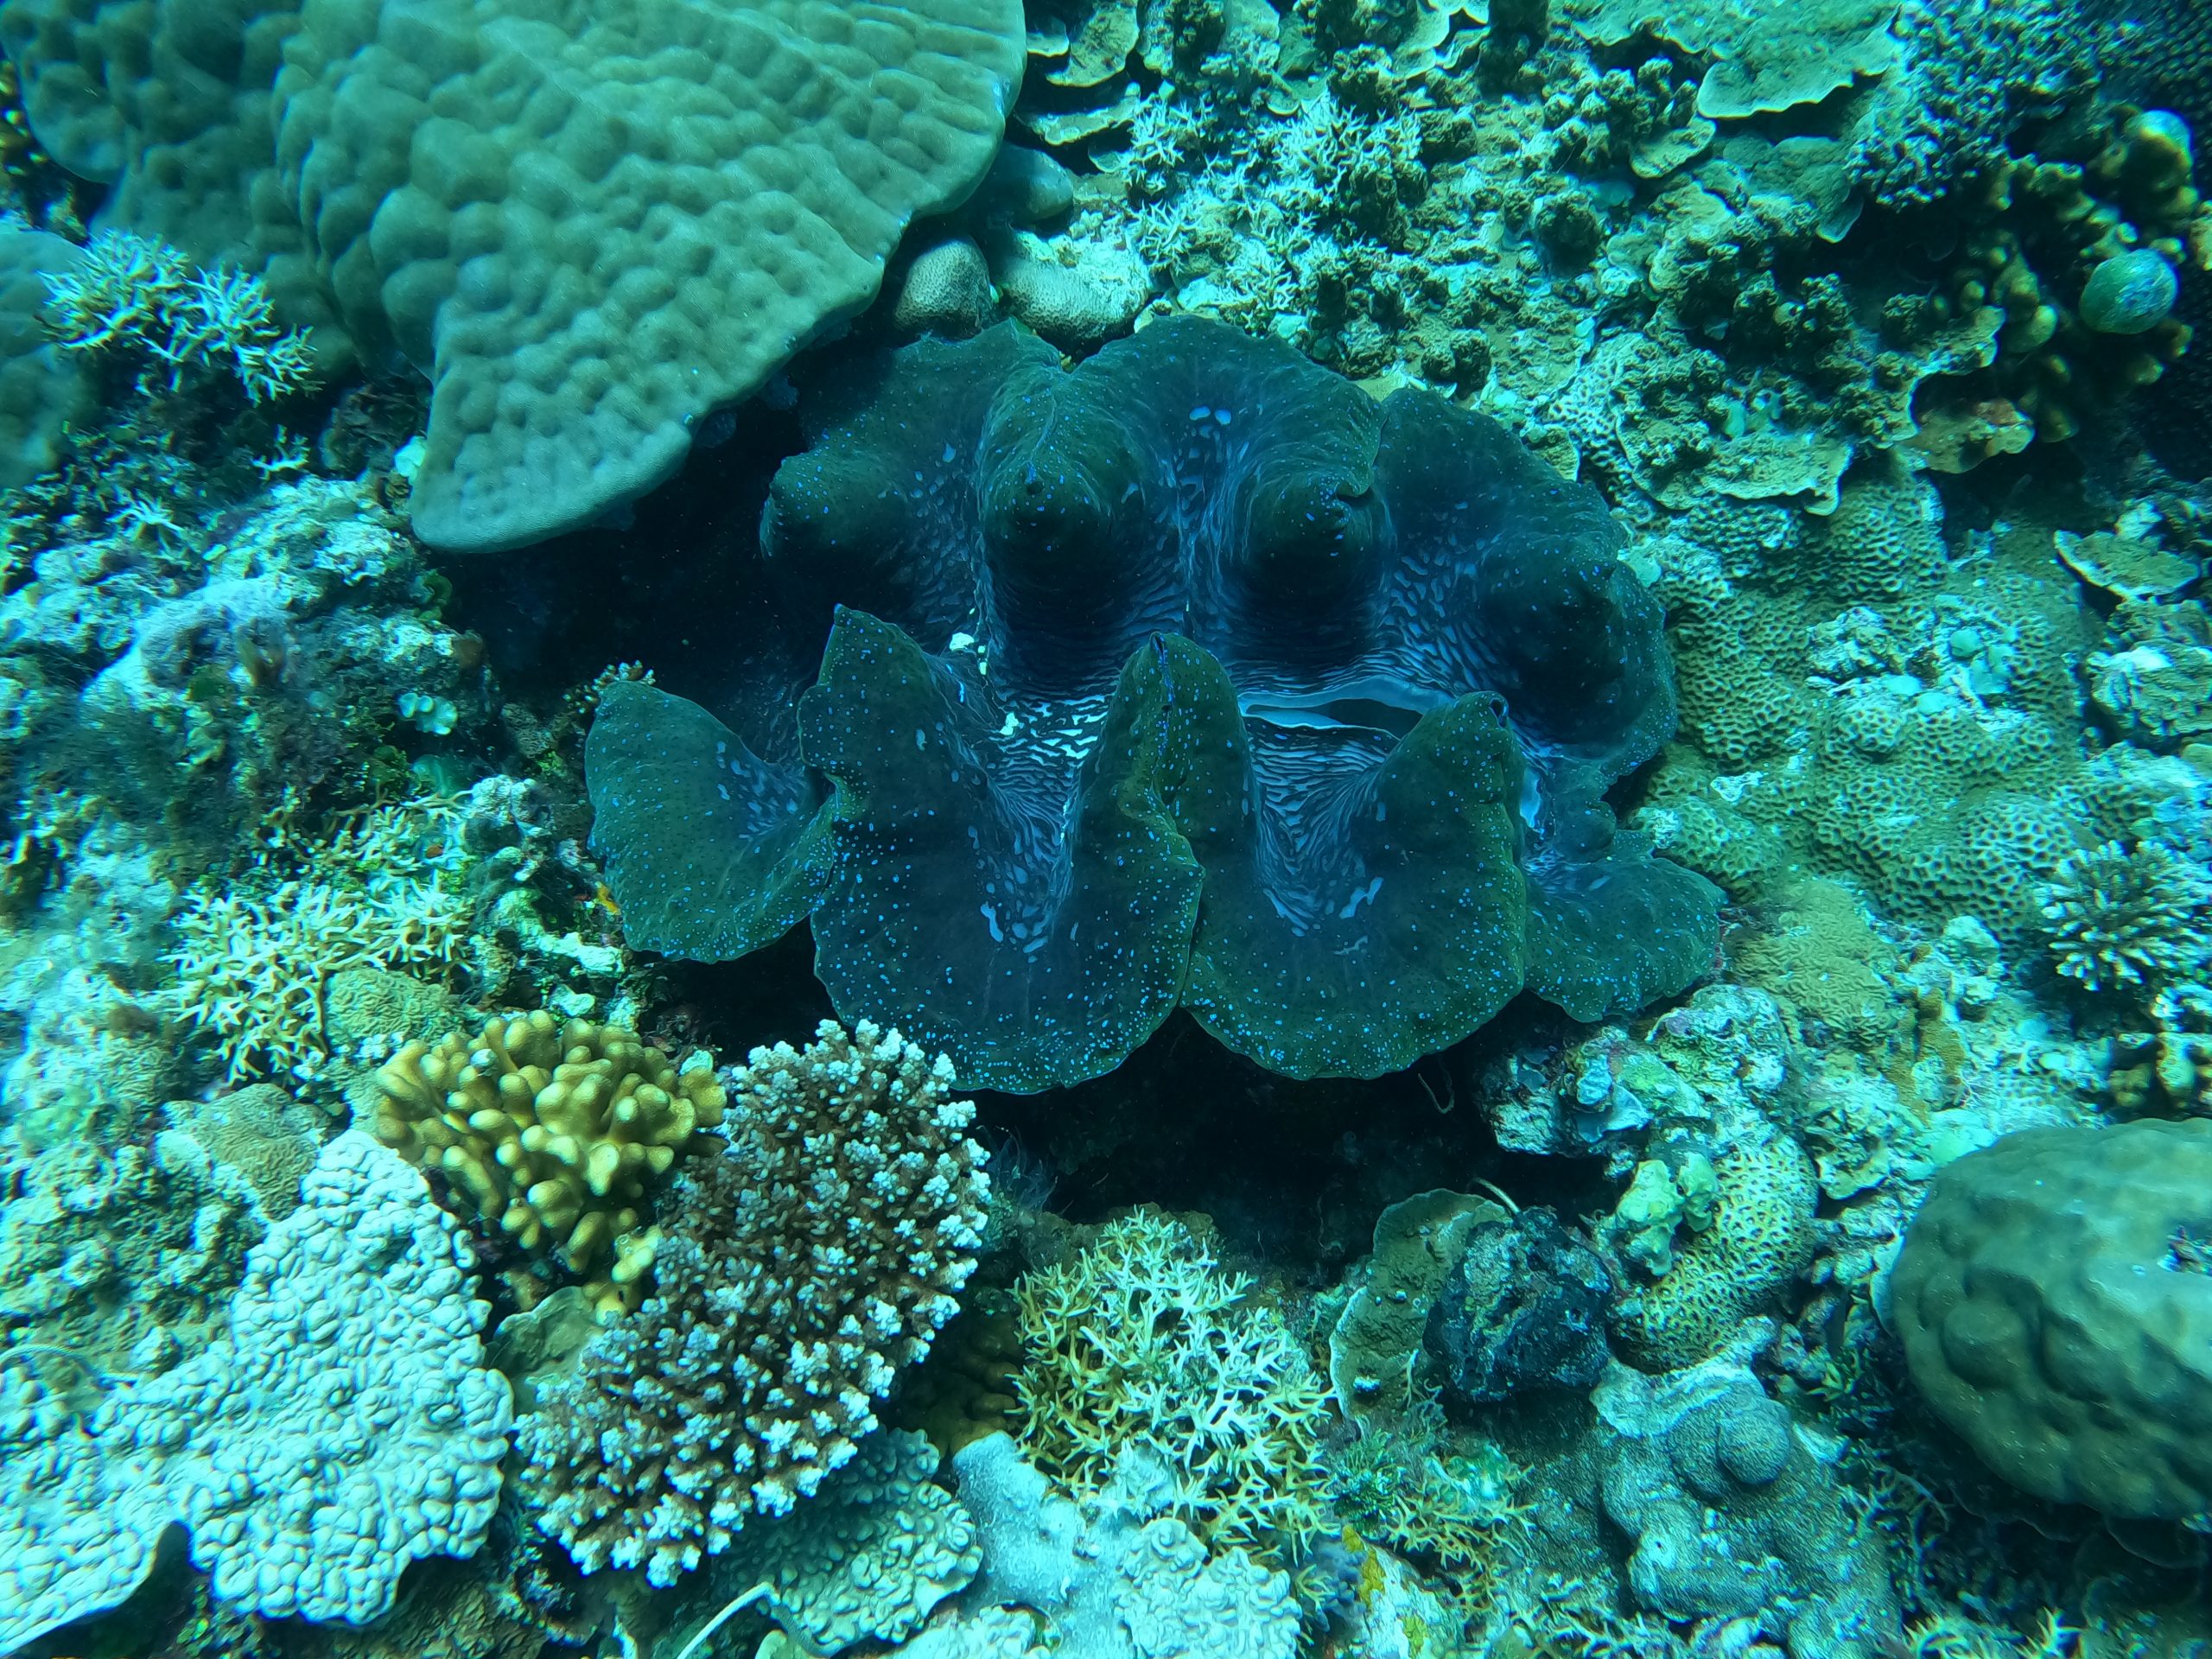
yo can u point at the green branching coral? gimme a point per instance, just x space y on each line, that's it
1148 1362
1407 1486
130 290
255 958
2124 919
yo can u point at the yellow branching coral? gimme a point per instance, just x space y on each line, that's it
554 1131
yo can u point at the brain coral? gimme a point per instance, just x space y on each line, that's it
801 1269
587 223
1195 675
2055 1300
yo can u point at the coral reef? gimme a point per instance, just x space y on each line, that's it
554 1131
1354 590
869 1556
2096 1233
799 1269
1148 1363
565 380
342 1428
1734 1511
1113 1581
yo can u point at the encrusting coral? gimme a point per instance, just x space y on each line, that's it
344 1428
554 1131
798 1271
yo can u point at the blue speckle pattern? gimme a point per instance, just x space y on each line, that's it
1191 676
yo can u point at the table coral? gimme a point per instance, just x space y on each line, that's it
1213 649
554 1131
2054 1304
1765 55
797 1272
655 207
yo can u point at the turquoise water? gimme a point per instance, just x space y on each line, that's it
1173 829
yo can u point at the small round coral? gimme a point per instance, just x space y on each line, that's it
2121 919
2130 293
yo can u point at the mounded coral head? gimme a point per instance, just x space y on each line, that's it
1193 675
554 1131
799 1270
2056 1308
587 224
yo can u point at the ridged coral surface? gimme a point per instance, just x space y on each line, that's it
589 224
803 1268
2056 1306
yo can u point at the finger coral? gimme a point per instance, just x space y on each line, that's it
554 1131
798 1272
1195 675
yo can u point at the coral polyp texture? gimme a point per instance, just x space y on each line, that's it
344 1427
588 224
1195 675
554 1131
801 1269
2056 1308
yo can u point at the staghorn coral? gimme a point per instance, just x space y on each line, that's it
798 1271
554 1131
128 292
1210 657
2125 919
1147 1362
657 206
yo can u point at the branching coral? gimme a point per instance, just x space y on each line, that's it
131 291
798 1272
1147 1362
2124 918
254 961
556 1132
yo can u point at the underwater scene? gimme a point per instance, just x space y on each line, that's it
1105 830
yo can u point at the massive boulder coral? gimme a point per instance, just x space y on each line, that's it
2055 1300
800 1270
345 1427
1192 676
589 224
554 1130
